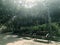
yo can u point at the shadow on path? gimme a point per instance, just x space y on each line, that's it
4 39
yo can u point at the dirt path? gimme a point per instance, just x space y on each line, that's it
13 40
31 42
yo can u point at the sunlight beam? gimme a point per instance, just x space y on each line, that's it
26 3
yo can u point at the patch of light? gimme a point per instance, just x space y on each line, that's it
2 27
20 2
23 3
30 3
26 3
13 17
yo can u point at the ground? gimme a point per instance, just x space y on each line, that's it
14 40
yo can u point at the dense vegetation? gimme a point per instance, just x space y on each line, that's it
18 22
